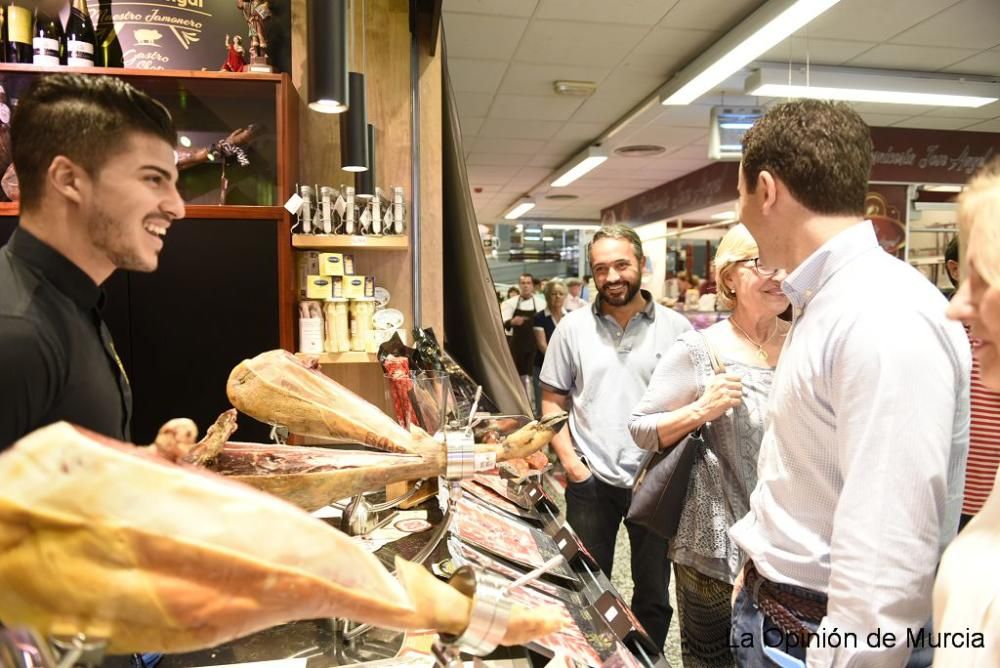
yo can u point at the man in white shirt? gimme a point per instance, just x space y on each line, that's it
518 314
861 467
573 299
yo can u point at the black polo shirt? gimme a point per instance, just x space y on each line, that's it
57 360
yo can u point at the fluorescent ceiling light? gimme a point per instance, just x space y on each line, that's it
725 215
736 126
582 226
942 188
860 85
758 33
523 206
578 166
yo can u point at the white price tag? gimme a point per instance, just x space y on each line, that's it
562 544
293 204
365 220
341 206
387 221
611 613
359 240
486 461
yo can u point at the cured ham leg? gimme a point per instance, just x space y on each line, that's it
308 477
277 388
111 540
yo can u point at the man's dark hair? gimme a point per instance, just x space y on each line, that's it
618 231
526 275
85 118
822 151
951 254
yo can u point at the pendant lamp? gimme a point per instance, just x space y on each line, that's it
354 127
364 182
327 25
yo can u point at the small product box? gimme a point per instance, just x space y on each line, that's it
319 287
307 264
331 264
354 287
337 285
369 286
348 264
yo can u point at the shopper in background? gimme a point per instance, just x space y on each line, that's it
545 324
597 365
951 266
967 591
574 300
95 160
860 472
984 425
513 291
685 394
518 314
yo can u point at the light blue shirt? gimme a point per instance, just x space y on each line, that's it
862 464
605 369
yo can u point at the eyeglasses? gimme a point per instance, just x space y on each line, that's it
762 270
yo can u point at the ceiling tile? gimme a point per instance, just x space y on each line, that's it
986 63
580 132
475 76
709 14
530 108
498 159
473 105
524 79
469 126
638 12
972 24
490 175
817 51
564 147
988 126
868 21
690 116
883 120
547 160
660 134
899 56
934 123
486 37
696 151
518 129
566 43
620 93
667 50
489 145
497 7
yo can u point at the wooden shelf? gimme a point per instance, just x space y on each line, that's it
342 358
197 211
319 241
27 68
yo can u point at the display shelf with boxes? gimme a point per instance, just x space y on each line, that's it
320 241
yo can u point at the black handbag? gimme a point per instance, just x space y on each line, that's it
662 485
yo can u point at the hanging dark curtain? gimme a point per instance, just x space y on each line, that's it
472 324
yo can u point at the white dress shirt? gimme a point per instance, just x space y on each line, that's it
509 306
862 465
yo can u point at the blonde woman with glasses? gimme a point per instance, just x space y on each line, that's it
685 394
967 590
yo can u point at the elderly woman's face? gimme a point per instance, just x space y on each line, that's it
977 305
755 291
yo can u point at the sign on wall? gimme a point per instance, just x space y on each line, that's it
191 34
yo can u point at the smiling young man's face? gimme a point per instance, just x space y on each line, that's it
131 202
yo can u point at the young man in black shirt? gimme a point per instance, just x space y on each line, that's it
98 177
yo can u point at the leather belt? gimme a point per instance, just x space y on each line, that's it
786 609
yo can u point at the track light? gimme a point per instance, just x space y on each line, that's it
327 26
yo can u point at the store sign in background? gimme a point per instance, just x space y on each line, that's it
187 34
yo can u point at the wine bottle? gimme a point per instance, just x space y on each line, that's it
47 39
81 40
109 49
20 24
3 33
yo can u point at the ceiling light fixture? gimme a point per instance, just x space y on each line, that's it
578 166
575 88
758 33
725 215
523 206
859 85
327 62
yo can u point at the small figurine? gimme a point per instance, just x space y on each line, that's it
257 13
234 55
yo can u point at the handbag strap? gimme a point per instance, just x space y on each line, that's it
717 365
